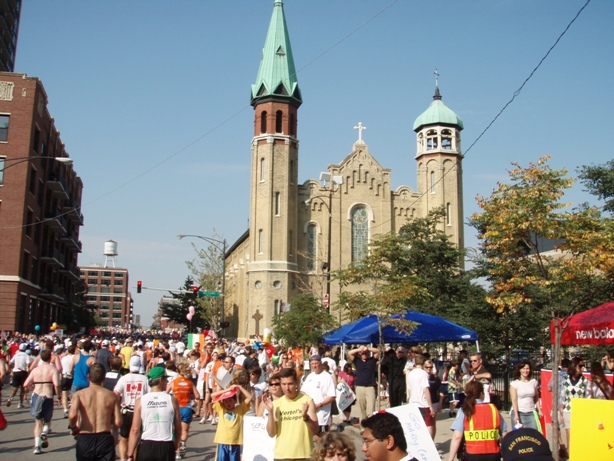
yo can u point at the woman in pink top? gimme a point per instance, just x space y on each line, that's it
349 377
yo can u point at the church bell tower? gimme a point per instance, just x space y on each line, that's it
275 97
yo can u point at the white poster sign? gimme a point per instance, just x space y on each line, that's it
257 445
419 442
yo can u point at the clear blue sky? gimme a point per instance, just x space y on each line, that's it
152 101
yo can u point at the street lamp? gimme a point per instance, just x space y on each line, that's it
215 243
335 180
18 160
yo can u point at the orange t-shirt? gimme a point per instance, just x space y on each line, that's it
182 388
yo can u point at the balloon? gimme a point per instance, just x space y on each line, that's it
192 310
54 325
189 316
37 327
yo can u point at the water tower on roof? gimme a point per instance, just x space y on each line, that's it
110 252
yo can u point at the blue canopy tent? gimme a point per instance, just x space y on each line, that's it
430 329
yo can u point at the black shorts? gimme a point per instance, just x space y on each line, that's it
156 451
19 377
124 431
66 384
96 447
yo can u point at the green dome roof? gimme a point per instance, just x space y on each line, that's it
438 114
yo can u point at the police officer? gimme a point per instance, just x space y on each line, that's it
480 424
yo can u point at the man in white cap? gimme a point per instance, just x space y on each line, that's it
130 388
19 372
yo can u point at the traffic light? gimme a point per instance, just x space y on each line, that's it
195 290
224 324
139 286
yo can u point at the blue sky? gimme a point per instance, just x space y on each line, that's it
152 101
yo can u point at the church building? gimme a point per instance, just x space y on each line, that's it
298 233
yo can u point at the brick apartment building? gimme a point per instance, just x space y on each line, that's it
108 295
40 212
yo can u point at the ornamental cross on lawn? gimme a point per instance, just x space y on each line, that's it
360 129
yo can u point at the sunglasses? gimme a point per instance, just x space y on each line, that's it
274 384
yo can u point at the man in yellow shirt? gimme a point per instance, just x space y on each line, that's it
292 418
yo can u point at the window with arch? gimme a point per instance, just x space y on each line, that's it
260 241
360 233
262 164
433 182
292 125
263 116
312 244
277 203
278 119
448 214
431 139
446 139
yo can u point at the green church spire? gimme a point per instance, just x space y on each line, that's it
276 78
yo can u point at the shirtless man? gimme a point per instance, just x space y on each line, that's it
93 412
43 380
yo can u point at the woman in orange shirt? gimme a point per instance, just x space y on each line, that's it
184 390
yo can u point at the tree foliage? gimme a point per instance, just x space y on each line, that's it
599 181
416 269
178 310
518 222
208 272
305 322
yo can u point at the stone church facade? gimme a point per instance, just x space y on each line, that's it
300 232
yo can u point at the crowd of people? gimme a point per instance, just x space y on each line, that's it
136 397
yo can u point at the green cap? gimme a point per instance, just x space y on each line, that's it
157 372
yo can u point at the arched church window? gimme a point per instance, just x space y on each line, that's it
292 125
360 233
433 182
277 203
311 246
446 139
278 119
260 241
263 122
262 163
431 139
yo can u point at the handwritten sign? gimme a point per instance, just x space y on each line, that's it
419 442
257 445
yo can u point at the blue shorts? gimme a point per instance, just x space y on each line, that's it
186 414
228 452
46 410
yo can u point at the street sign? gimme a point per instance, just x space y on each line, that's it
208 294
325 300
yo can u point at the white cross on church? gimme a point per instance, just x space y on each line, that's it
360 129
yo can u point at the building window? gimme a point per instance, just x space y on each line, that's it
4 127
25 267
360 233
263 122
29 221
292 125
118 290
119 274
32 186
312 243
278 119
92 273
431 140
277 203
448 214
262 164
106 274
92 281
260 241
118 282
446 139
2 166
433 182
276 308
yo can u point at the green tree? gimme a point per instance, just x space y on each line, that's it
177 311
305 322
208 272
79 314
518 221
599 181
